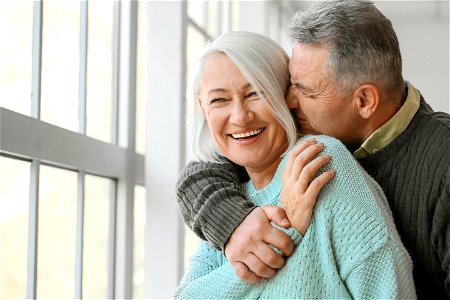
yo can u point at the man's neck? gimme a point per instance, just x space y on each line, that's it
386 110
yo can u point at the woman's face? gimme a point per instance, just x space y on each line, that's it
242 125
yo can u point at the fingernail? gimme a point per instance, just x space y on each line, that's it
285 222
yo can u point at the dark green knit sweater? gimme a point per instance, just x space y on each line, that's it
413 170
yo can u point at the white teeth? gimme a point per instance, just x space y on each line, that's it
246 134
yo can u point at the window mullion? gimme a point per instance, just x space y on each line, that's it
126 139
82 129
83 66
35 164
33 229
79 236
115 72
36 60
112 243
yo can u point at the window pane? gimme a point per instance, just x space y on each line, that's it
141 78
197 12
16 18
195 43
191 242
56 233
98 193
60 63
99 70
14 195
213 18
139 242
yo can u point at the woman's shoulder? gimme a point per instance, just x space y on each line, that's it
329 141
332 147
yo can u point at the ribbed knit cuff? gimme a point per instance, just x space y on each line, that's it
224 217
293 233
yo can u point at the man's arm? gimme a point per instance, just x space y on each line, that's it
211 200
213 206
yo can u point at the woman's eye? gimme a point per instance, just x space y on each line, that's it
255 95
217 101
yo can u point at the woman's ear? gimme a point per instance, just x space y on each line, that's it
367 99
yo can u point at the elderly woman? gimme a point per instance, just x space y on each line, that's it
351 248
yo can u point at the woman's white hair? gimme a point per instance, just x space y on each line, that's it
264 64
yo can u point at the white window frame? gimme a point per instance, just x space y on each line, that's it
28 138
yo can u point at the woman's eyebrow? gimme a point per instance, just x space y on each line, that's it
216 90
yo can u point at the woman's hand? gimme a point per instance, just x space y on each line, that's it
299 190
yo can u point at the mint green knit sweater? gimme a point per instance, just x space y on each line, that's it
351 249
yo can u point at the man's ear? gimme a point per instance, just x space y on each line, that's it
367 99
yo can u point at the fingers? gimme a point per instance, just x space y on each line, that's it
269 257
247 249
279 240
243 272
304 158
308 171
257 266
296 151
318 183
276 215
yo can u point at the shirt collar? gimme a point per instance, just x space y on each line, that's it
392 128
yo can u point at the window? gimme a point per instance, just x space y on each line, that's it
14 211
206 20
67 149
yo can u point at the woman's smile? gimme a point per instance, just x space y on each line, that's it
243 137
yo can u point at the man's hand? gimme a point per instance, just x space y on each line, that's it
248 248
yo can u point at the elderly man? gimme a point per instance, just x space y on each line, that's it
346 75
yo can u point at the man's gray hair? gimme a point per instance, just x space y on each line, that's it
362 42
264 64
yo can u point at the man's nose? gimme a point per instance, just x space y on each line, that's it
291 99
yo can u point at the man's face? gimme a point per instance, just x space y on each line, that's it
314 97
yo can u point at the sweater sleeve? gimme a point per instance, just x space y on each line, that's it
441 229
211 200
386 274
210 276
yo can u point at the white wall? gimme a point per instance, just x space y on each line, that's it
422 28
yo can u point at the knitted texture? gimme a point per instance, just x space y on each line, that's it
350 250
414 171
200 184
